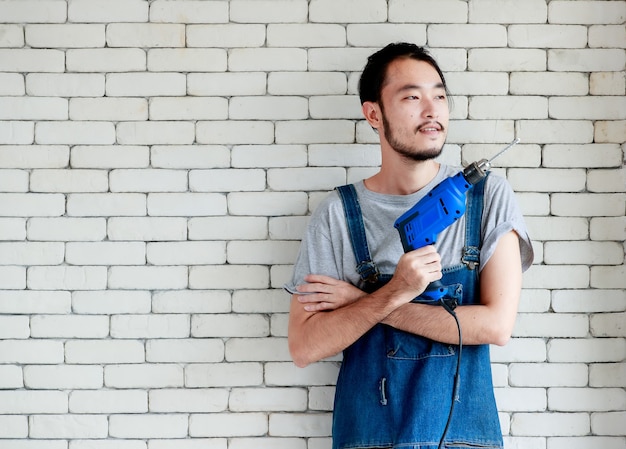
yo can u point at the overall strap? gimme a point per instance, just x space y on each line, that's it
365 266
473 220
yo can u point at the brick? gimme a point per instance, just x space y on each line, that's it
104 351
65 35
586 399
607 36
228 277
306 83
226 84
237 325
106 204
608 276
305 178
65 229
32 60
550 424
260 301
586 350
227 424
187 60
267 59
191 401
481 131
558 228
106 60
586 60
477 83
226 36
586 12
286 373
147 228
228 228
235 132
508 11
68 426
41 352
549 83
186 204
608 423
587 204
13 426
14 327
588 253
111 302
521 399
267 11
33 108
223 375
145 84
14 181
35 156
150 326
335 107
377 35
467 35
509 107
191 301
62 326
265 349
109 401
306 35
547 36
188 108
587 301
270 443
31 204
33 11
12 36
287 228
65 84
13 278
17 133
607 83
95 156
30 302
587 156
606 181
105 253
148 426
555 276
268 108
548 375
72 133
584 442
164 375
186 253
66 278
107 11
608 228
588 108
428 11
344 155
608 325
316 425
506 60
109 109
148 278
555 131
60 180
189 156
267 203
12 84
315 131
189 11
185 350
250 156
551 325
11 377
147 133
269 399
338 59
607 375
150 180
614 131
61 377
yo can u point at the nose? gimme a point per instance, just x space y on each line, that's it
429 108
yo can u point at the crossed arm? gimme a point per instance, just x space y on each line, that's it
332 314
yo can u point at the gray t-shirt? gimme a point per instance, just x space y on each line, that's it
326 247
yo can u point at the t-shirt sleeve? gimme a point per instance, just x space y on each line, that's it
501 215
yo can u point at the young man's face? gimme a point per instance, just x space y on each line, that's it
414 108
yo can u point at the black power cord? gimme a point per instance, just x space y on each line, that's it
450 305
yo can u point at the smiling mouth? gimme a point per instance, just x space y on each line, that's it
430 127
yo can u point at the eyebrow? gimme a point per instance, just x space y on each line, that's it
421 86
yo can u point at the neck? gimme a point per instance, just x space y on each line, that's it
399 176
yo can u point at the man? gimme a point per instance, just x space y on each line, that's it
399 356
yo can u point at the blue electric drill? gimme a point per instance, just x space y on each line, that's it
442 206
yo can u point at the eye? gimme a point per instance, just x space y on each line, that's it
412 97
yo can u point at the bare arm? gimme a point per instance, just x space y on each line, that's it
321 333
490 322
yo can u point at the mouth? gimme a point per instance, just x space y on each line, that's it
430 127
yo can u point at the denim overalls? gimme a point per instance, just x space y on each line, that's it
394 388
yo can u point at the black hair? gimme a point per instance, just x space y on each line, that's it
373 76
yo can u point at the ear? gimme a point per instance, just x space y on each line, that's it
373 114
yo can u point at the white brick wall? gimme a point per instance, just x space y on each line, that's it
158 160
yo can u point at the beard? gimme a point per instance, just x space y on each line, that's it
408 150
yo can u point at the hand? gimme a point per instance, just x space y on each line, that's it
416 270
323 293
